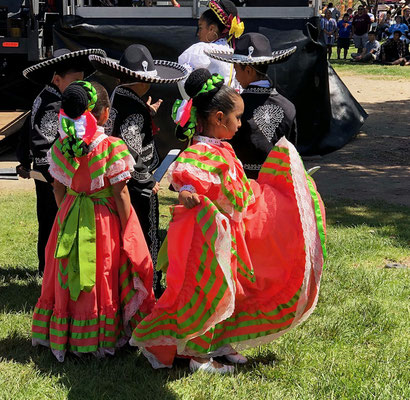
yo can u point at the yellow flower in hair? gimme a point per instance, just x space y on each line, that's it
236 28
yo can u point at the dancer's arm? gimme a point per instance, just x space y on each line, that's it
59 192
123 202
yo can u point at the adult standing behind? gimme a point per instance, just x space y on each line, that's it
360 28
55 74
335 12
406 16
267 116
218 27
329 27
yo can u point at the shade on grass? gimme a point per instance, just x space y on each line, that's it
355 344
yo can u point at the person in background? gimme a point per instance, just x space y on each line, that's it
371 51
370 14
55 75
329 27
384 24
393 51
406 16
335 12
344 34
399 26
349 12
360 28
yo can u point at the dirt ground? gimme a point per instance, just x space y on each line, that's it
373 166
376 164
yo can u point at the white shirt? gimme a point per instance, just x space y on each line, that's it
194 57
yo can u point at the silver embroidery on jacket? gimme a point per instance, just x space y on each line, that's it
267 118
49 126
109 125
36 106
131 130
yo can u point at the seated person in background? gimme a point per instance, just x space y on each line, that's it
371 51
393 51
344 31
399 26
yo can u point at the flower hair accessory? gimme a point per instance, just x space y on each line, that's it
184 115
237 28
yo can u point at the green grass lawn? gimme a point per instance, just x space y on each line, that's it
376 70
354 346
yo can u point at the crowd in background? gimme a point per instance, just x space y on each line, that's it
382 38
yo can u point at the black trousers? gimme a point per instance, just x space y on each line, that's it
147 209
46 213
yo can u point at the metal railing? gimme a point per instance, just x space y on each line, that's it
84 9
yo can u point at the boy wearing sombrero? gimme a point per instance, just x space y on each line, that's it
131 120
268 115
55 74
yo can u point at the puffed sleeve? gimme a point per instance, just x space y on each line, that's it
120 162
192 173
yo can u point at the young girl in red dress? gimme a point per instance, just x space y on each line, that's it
244 258
97 282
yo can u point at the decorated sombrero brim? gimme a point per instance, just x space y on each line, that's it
165 71
229 57
43 72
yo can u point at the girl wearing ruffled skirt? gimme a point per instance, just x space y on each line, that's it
97 282
244 258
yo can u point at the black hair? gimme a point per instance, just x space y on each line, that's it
346 15
330 5
103 100
211 18
74 100
371 33
261 70
222 98
64 69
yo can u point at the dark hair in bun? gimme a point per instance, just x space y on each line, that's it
221 98
74 100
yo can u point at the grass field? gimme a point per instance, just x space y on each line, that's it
376 70
354 346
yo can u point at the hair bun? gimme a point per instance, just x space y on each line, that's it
196 80
74 100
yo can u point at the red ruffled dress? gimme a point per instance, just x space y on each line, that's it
244 266
97 282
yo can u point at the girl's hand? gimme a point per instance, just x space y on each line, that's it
188 200
155 189
153 107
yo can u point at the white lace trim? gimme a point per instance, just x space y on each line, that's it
134 304
192 170
97 183
207 139
121 177
124 164
153 360
188 188
56 172
98 140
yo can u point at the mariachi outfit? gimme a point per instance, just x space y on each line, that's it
244 266
42 133
131 120
267 116
97 281
195 56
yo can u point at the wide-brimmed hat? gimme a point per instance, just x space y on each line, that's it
43 72
252 49
137 65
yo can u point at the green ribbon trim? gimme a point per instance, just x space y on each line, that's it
77 242
319 216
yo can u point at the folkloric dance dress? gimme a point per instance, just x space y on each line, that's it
244 266
97 282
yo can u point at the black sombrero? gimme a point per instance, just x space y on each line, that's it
252 49
43 72
137 65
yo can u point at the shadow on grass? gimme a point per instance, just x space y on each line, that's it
19 287
127 375
392 220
